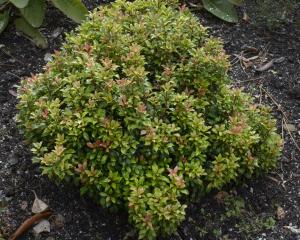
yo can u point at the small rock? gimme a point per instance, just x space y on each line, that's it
9 192
56 32
278 84
12 159
48 57
293 229
12 60
50 238
42 226
12 92
295 91
59 221
24 205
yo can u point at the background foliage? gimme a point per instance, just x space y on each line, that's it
274 14
28 15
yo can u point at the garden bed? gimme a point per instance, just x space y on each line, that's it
264 208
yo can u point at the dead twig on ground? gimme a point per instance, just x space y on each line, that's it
249 80
284 117
28 223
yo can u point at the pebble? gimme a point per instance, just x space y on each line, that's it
59 221
48 57
9 192
12 160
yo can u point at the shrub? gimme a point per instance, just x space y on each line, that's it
136 110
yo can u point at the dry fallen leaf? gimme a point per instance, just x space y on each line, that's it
246 18
280 213
38 205
221 196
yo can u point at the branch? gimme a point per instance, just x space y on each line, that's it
28 223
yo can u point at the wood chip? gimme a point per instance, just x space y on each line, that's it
280 213
266 67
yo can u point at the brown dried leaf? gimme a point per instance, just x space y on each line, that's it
221 196
90 145
247 64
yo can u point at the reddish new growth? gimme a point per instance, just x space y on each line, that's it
88 48
99 144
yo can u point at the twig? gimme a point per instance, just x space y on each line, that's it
13 74
28 223
282 131
11 56
285 118
249 80
260 89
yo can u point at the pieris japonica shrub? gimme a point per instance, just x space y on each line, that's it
136 110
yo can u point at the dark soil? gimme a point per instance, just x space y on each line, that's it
249 212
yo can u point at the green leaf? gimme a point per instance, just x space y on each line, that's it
19 3
4 17
2 1
33 33
74 9
222 9
236 2
34 12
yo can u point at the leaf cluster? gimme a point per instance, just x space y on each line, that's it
29 15
223 9
137 111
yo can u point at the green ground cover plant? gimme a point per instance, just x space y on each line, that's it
136 110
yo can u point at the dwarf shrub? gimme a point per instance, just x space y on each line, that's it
136 110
